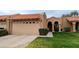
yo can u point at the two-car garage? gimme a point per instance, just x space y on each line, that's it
26 28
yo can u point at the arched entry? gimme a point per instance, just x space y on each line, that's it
50 26
77 26
56 26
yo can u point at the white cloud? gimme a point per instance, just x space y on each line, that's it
38 4
7 12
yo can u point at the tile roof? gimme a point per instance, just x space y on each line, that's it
53 18
21 16
73 19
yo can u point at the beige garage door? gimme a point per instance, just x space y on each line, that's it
28 29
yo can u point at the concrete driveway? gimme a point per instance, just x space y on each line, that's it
16 41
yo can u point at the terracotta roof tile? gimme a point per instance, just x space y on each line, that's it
73 19
21 16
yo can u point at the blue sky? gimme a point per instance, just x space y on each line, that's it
49 13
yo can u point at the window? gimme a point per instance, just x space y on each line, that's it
30 22
26 22
33 22
1 28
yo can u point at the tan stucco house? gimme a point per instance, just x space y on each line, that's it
31 23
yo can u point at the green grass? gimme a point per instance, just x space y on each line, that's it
60 40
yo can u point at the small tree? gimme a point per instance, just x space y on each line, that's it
74 13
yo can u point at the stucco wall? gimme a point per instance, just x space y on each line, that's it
3 25
66 23
43 20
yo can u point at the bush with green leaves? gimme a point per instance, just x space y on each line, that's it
43 31
67 29
3 32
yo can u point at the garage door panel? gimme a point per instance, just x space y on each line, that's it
25 29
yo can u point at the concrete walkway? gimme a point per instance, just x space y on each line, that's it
16 41
48 35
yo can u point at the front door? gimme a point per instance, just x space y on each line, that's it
77 26
56 27
50 26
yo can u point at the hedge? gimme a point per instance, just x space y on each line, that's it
43 31
67 29
3 32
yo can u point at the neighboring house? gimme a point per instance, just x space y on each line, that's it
31 23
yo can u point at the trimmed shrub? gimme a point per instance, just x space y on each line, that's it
67 29
3 32
43 31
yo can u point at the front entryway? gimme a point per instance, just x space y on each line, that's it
50 26
77 26
56 26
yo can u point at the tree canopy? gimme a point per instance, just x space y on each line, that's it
74 13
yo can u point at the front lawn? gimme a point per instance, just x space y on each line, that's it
60 40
